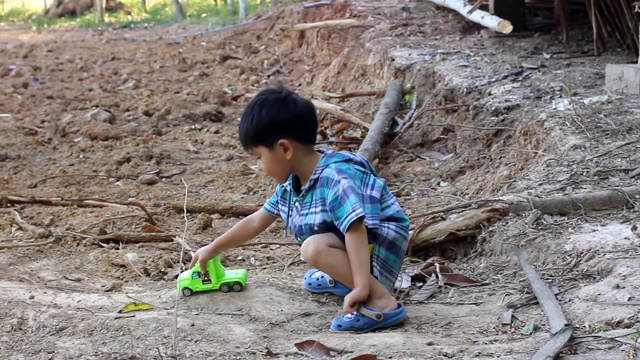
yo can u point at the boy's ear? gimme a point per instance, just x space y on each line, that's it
285 147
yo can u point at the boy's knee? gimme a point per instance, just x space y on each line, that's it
308 249
315 245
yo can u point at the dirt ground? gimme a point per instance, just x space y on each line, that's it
128 114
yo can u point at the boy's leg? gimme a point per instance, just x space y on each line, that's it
328 253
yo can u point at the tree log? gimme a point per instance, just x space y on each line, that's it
382 121
436 232
341 23
568 204
477 16
222 209
337 111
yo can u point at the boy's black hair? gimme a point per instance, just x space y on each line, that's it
277 113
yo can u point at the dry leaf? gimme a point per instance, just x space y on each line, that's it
423 270
148 228
135 306
270 353
426 290
403 282
313 348
634 228
365 357
458 279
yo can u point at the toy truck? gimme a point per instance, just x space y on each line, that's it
215 278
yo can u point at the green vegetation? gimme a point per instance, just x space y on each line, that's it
158 12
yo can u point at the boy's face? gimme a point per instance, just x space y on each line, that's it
275 162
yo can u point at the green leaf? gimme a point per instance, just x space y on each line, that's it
102 231
135 306
528 329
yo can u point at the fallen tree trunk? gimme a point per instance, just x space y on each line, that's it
434 231
222 209
469 216
568 204
477 16
337 111
382 121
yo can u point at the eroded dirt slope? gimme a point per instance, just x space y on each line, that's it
128 114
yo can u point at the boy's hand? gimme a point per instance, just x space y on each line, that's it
203 255
353 299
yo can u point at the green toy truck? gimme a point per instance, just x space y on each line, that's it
194 280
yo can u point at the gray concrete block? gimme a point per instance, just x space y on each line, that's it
623 78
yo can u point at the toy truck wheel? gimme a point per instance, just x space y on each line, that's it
225 288
237 287
187 292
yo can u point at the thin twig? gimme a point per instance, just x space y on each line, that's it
135 268
13 246
184 237
269 243
490 128
40 181
614 148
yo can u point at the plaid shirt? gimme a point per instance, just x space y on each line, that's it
343 188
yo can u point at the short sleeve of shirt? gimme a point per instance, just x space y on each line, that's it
272 206
351 196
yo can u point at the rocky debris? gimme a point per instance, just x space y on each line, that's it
102 115
95 130
203 222
149 179
211 113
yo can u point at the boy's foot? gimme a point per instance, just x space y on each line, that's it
319 282
367 319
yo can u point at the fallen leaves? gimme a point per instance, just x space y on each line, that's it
135 306
427 290
316 349
427 276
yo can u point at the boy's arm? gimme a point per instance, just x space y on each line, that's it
243 231
357 245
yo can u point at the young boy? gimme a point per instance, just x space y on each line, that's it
351 227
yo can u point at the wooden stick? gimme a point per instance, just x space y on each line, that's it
552 348
340 23
222 209
84 202
13 246
337 111
25 226
542 291
478 16
382 121
351 94
130 238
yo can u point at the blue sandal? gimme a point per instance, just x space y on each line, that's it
366 319
319 282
